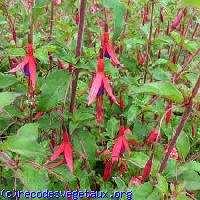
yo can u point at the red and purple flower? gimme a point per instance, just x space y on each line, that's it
28 65
65 148
99 85
107 48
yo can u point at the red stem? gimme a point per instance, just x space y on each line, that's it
177 75
149 44
186 114
78 52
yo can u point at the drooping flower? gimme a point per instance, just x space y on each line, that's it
159 53
57 2
193 131
147 168
167 29
145 14
65 148
108 52
99 84
177 20
77 17
28 4
137 181
121 144
121 102
185 11
108 165
141 58
173 154
154 134
174 59
61 64
169 112
28 65
38 115
161 15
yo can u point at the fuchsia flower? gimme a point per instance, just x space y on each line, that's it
147 168
77 17
65 148
107 48
57 2
108 165
161 15
193 131
28 4
173 154
154 134
177 20
167 30
169 113
159 53
38 115
121 144
99 84
28 65
141 58
137 181
121 102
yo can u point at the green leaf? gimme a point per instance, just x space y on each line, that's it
16 52
183 145
7 80
155 195
4 43
162 184
138 159
182 197
120 183
2 20
35 179
6 98
164 89
160 61
119 11
112 127
143 191
132 113
161 75
192 180
177 37
53 90
190 3
85 143
42 54
84 181
24 143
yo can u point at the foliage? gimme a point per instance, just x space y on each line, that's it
147 71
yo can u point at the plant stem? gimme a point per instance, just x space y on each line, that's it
30 36
78 53
195 30
177 75
149 44
186 114
51 19
184 35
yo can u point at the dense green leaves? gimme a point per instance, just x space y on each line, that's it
6 98
7 80
25 142
16 52
164 89
54 89
183 145
118 18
